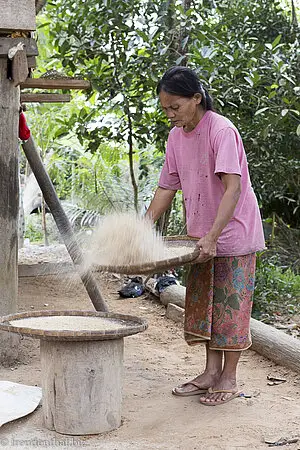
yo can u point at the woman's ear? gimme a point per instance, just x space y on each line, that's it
198 98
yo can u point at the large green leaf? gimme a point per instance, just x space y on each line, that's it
234 301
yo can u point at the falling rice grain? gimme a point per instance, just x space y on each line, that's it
125 239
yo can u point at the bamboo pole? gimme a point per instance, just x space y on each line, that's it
63 224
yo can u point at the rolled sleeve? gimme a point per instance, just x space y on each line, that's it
226 150
169 178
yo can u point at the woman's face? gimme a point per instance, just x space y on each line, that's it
182 111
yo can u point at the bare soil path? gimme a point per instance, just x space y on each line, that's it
155 361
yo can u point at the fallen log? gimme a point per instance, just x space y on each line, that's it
275 345
266 340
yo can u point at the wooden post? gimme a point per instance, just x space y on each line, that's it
82 385
9 203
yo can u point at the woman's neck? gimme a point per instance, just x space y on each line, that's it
194 122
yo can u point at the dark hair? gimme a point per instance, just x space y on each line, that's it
179 80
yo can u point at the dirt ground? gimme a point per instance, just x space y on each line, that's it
154 362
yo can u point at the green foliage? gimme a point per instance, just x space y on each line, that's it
110 43
284 244
250 61
276 289
34 232
245 52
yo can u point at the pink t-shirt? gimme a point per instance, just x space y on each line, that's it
193 162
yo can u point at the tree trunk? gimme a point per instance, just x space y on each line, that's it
163 222
131 162
82 385
275 345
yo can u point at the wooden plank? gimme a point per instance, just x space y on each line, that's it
45 98
44 269
7 43
55 83
17 15
19 67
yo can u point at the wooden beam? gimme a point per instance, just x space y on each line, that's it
19 67
17 15
7 43
45 98
56 83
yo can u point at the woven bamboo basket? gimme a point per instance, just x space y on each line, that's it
192 252
123 325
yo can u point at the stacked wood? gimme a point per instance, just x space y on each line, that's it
266 340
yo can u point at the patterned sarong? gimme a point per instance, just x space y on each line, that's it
219 303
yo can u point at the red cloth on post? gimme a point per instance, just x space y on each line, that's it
24 132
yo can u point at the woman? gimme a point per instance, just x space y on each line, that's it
205 158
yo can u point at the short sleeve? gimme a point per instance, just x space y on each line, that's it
226 149
169 178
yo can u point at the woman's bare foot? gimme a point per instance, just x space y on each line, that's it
222 384
201 382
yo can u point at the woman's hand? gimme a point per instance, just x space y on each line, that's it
208 249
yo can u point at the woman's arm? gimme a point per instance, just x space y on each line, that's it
208 244
161 201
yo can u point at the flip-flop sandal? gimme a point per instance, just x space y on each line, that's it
221 391
197 391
